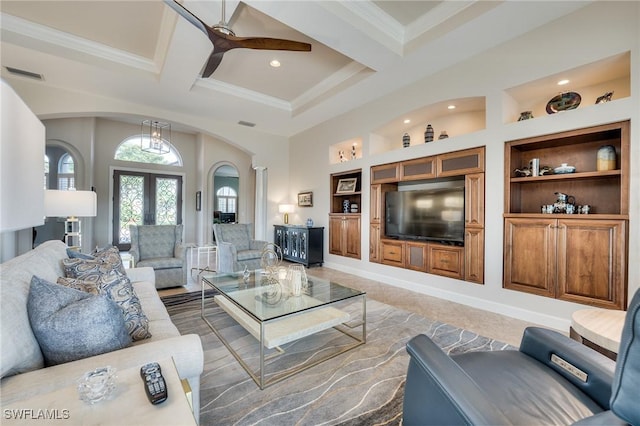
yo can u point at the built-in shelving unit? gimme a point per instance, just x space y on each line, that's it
576 257
590 81
345 151
344 223
468 116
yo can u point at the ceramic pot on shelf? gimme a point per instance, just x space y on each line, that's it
606 158
406 140
428 134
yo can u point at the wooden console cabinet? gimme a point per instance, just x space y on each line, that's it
300 244
465 263
580 258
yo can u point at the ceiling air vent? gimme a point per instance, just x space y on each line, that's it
246 123
23 73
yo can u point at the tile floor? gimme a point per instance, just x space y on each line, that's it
500 327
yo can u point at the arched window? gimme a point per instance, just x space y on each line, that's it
129 150
227 199
66 172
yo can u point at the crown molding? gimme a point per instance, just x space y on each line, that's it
211 84
46 35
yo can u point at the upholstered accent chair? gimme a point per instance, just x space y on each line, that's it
550 380
160 247
236 247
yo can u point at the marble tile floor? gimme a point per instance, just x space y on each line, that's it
496 326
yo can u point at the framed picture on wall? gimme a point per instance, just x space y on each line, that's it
346 186
305 199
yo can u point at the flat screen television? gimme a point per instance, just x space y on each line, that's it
433 214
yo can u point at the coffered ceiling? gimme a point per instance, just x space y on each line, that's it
143 53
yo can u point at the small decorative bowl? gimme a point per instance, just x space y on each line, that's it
97 385
564 168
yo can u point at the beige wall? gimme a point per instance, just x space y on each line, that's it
577 39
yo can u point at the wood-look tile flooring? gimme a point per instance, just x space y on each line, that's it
496 326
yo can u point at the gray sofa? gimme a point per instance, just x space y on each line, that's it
236 247
21 361
550 380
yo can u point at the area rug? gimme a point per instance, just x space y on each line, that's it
363 386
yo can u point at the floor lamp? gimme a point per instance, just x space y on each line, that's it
72 205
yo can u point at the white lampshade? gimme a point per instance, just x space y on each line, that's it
70 203
285 208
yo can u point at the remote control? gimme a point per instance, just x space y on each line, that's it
154 384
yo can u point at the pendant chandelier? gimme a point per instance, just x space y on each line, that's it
155 137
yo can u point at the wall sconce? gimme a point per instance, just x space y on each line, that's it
286 209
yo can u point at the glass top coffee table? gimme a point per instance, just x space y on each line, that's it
277 320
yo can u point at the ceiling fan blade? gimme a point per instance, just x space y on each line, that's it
212 64
266 43
186 14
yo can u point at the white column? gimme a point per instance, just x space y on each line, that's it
261 203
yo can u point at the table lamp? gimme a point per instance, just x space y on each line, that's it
71 204
286 209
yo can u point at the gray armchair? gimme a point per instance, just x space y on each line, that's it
236 247
160 247
550 380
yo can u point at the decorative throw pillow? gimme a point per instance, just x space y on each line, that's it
71 324
82 268
110 255
76 284
118 288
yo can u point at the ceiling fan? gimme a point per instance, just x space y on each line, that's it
224 39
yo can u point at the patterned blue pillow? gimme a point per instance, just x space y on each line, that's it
71 324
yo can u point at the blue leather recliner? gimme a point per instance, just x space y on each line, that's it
551 380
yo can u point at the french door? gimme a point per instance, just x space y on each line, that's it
144 199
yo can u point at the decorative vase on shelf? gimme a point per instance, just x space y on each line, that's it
346 206
443 135
525 115
406 140
428 134
606 158
309 223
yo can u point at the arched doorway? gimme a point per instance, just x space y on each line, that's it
225 194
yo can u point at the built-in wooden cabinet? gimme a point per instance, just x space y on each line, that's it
446 260
418 169
460 163
393 252
385 173
466 263
374 242
417 257
344 223
344 235
576 257
474 254
474 200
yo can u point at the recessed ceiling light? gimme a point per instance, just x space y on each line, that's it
563 82
407 121
275 63
451 107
